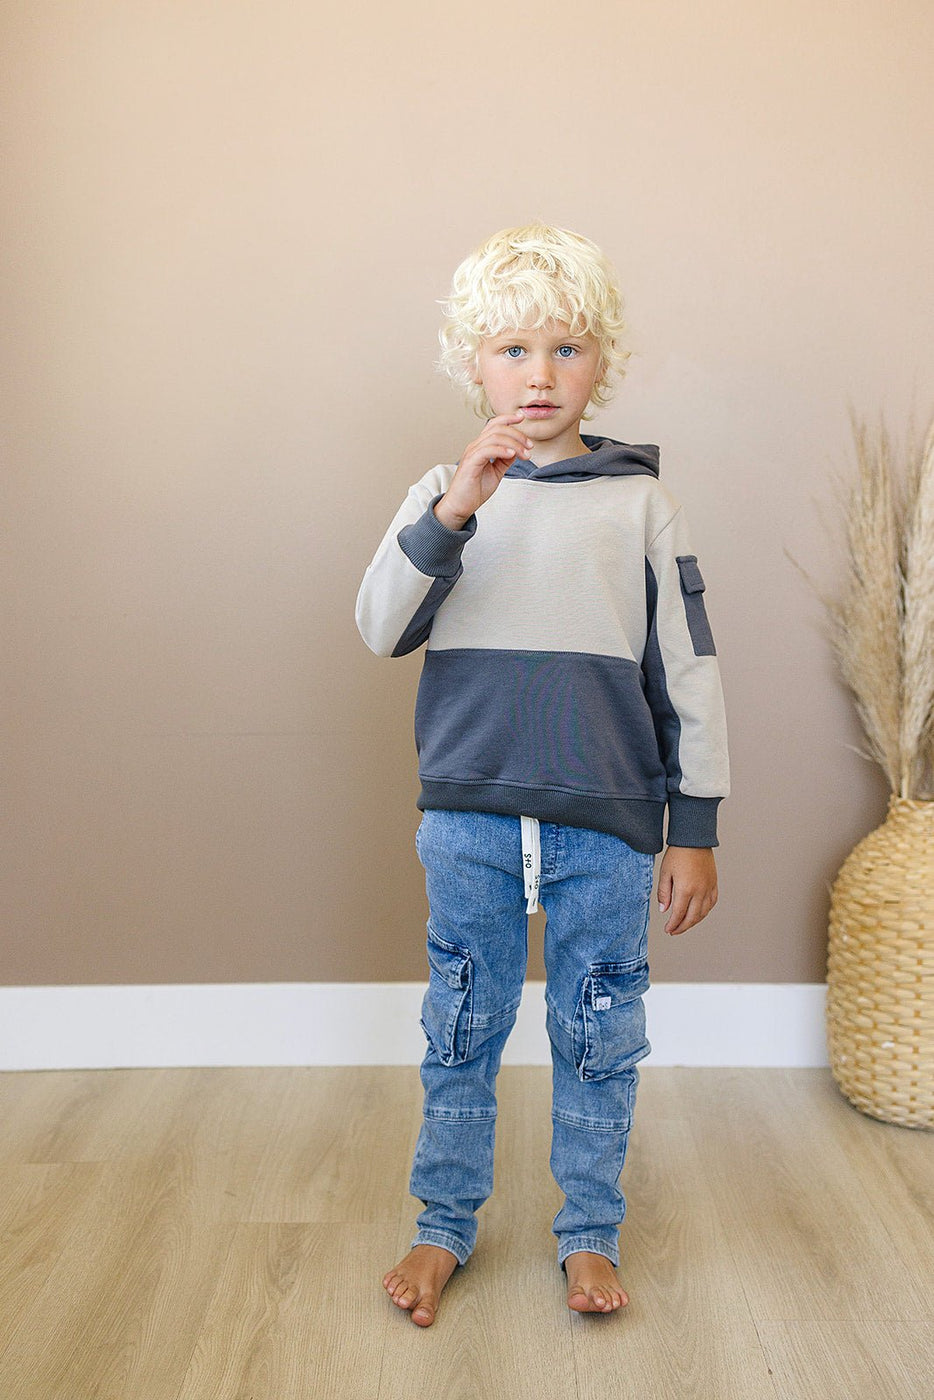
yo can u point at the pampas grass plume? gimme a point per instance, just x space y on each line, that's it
881 623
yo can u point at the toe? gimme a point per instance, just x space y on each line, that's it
424 1314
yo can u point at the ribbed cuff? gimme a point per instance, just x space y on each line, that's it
692 821
432 547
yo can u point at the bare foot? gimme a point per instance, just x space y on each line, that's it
592 1283
417 1280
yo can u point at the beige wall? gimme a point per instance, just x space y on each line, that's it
229 225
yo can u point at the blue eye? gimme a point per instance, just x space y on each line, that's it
509 349
572 348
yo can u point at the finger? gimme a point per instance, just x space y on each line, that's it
506 448
694 911
679 914
507 435
508 423
706 900
492 456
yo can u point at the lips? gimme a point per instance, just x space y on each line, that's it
539 410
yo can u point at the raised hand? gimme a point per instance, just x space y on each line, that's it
481 468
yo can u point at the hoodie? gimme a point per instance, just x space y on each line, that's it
570 672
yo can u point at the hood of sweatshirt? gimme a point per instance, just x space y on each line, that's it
606 457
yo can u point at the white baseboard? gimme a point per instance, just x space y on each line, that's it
375 1023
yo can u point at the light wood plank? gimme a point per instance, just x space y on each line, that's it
120 1310
295 1316
804 1231
338 1150
41 1207
895 1166
73 1115
871 1360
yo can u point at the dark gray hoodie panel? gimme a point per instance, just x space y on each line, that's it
606 457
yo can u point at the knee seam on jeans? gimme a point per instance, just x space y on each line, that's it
594 1125
482 1115
493 1019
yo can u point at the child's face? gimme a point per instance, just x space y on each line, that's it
521 368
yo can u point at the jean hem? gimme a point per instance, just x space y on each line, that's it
446 1241
589 1243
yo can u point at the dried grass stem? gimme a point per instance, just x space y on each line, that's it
881 624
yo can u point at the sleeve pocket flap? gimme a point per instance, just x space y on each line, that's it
691 578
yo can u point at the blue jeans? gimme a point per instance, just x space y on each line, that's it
595 890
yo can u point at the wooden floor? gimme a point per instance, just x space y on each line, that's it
221 1235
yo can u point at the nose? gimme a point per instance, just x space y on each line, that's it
541 375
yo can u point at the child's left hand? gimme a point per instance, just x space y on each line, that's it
688 875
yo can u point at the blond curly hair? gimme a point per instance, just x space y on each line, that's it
525 277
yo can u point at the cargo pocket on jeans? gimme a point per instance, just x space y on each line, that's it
448 1001
608 1034
692 591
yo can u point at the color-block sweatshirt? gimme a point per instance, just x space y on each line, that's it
570 673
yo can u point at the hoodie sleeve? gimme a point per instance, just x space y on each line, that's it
412 572
683 688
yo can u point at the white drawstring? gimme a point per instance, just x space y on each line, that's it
531 861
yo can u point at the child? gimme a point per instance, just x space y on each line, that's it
569 694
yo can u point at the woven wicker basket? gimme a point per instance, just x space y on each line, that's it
880 972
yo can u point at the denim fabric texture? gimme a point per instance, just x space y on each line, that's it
595 890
